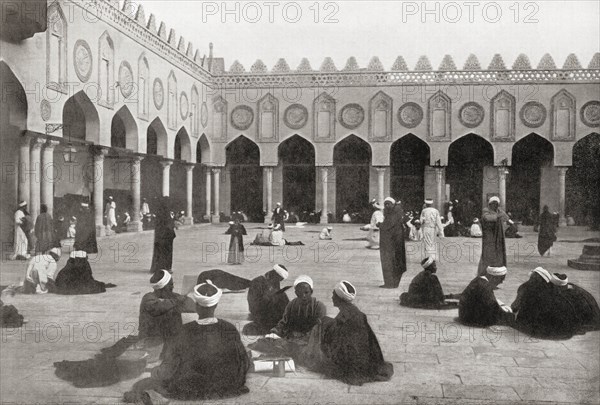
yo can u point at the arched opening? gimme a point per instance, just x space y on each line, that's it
178 174
199 194
80 119
297 161
468 158
583 178
243 167
529 157
123 130
13 121
352 162
409 157
156 147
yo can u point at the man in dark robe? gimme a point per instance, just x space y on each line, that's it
266 300
391 244
76 277
224 280
541 310
584 304
547 232
10 317
279 217
164 233
236 242
478 305
85 230
44 231
207 360
351 351
493 249
425 290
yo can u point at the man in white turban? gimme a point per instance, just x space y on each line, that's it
207 360
493 246
267 300
425 290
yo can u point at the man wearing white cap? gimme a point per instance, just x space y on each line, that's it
351 349
207 360
279 216
23 227
110 214
41 271
425 290
267 300
478 305
493 247
326 233
431 225
376 217
392 250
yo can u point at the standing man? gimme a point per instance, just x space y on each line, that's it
493 249
376 217
391 245
110 214
164 233
145 213
279 216
431 224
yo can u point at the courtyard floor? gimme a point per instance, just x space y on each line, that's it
436 360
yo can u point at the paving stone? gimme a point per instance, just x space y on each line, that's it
479 392
568 396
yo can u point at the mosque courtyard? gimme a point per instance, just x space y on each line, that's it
436 360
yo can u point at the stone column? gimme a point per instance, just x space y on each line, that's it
190 192
502 172
381 183
35 160
439 177
24 166
268 171
166 177
324 204
98 181
562 184
216 218
136 184
47 175
208 193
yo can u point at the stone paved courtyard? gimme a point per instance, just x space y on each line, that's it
436 360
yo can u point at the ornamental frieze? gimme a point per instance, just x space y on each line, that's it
352 116
295 116
410 115
471 115
533 114
242 117
590 114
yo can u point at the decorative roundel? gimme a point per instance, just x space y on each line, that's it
351 116
590 114
126 82
159 93
471 115
184 105
533 114
45 110
204 115
410 115
82 59
296 116
242 117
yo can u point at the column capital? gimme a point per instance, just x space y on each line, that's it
439 173
37 143
562 170
190 166
216 170
503 171
381 169
98 152
51 144
166 163
136 159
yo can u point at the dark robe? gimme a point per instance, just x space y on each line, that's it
164 233
266 301
547 232
278 217
541 311
350 345
424 291
300 317
45 234
493 247
392 249
584 305
236 243
222 279
478 305
9 316
85 232
76 279
204 362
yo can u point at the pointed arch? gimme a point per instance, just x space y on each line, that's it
243 167
124 131
183 148
157 141
203 154
297 162
409 158
80 118
143 87
106 70
242 150
582 191
56 48
352 162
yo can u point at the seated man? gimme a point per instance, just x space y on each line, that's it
223 280
349 345
478 305
41 270
266 300
76 277
425 290
10 317
585 305
276 237
207 360
475 231
326 233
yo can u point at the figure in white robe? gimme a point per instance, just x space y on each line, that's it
110 213
431 224
21 242
276 236
475 230
373 236
325 233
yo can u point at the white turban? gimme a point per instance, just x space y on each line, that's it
496 271
543 273
494 199
304 279
429 201
281 270
22 204
390 199
78 254
162 283
341 290
277 227
556 280
429 262
204 300
56 251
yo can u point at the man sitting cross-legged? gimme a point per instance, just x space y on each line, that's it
266 300
425 290
207 360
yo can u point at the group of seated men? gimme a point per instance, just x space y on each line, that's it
546 306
